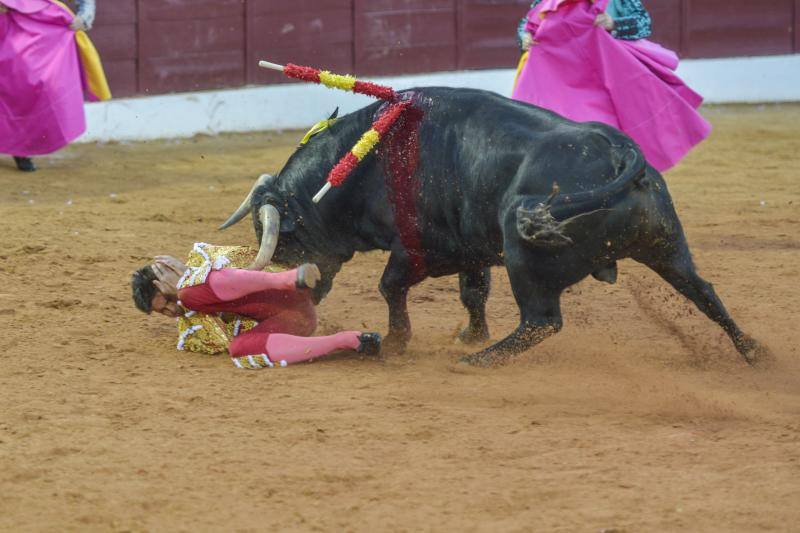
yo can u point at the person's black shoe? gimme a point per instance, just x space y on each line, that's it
369 344
308 276
25 164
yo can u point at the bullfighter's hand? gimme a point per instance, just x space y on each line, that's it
166 280
78 24
527 41
172 263
604 21
3 9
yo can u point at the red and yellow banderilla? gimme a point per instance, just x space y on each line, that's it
371 138
333 81
362 148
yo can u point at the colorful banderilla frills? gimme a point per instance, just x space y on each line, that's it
333 81
363 147
371 138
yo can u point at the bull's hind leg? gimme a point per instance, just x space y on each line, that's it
678 270
540 313
475 285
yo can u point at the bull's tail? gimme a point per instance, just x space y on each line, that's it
543 223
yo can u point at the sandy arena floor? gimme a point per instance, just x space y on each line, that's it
638 416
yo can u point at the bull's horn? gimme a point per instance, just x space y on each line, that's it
270 227
240 213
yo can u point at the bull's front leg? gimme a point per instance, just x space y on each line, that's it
328 271
474 286
396 280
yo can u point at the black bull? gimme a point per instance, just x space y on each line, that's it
467 181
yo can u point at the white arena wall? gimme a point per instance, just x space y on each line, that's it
278 107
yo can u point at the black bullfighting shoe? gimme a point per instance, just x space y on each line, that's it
308 276
369 344
25 164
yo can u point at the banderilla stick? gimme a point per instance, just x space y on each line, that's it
333 81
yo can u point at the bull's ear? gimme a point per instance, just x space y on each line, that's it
334 115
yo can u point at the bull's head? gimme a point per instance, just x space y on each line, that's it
291 229
267 216
279 220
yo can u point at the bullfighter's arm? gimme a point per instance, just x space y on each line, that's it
523 36
84 18
636 24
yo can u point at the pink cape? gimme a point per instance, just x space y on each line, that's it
41 81
583 73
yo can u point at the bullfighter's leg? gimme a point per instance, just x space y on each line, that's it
234 283
247 349
397 278
475 285
540 313
679 271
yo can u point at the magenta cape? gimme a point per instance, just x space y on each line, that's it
581 72
41 81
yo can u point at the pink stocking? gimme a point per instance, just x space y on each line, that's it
282 347
233 283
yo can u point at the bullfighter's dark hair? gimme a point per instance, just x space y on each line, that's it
143 288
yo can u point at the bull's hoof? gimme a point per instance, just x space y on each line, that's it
483 360
752 351
395 343
474 336
464 368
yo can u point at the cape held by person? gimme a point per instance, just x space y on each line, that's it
591 62
48 65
